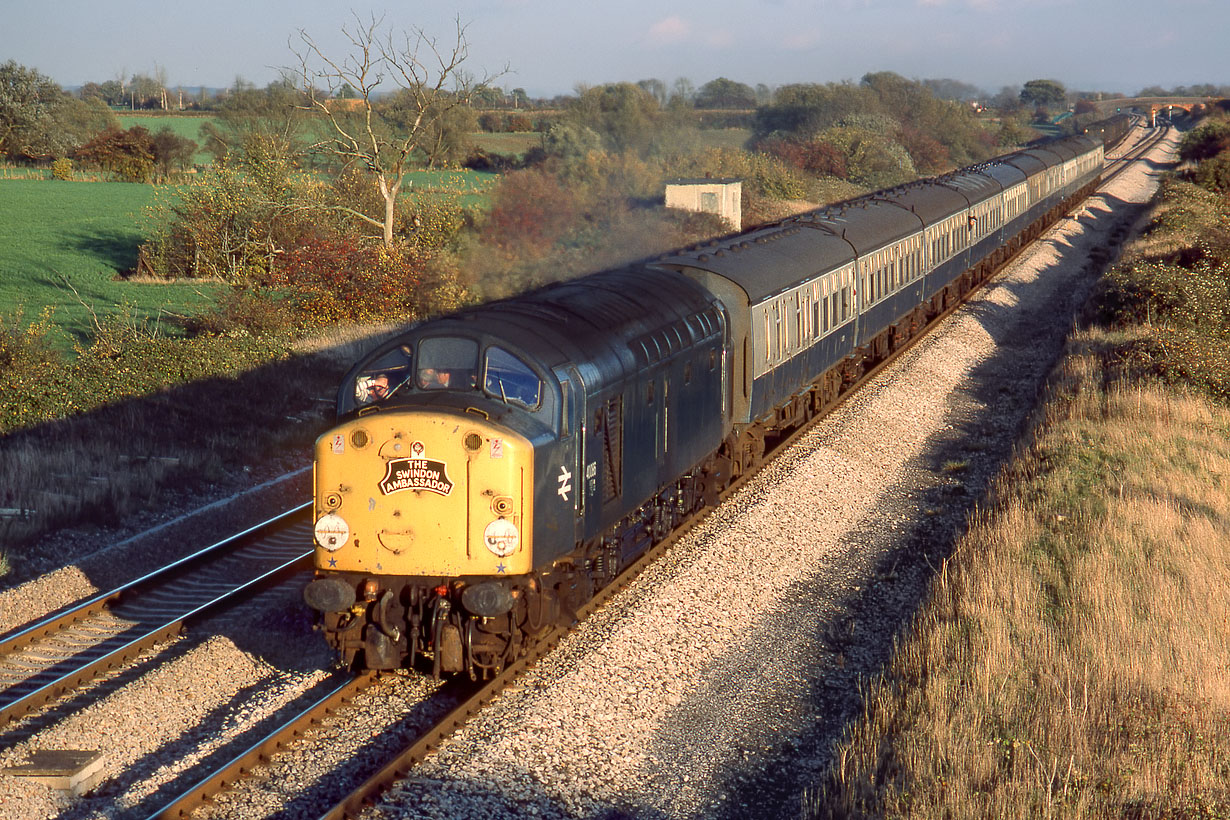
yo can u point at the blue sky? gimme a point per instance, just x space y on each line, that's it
550 46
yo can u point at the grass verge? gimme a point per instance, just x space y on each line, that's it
122 461
1073 657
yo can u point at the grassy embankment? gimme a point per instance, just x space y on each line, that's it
1073 659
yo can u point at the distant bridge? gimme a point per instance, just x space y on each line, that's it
1152 106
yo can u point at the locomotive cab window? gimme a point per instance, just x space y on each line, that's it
511 380
383 376
447 363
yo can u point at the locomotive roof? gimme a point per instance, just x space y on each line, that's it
769 260
591 319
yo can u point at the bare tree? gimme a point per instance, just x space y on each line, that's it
432 85
160 77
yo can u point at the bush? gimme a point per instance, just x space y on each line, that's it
62 168
1207 140
530 210
331 280
31 371
1166 293
127 154
1214 174
929 155
433 222
763 175
241 311
1177 356
519 123
1178 289
232 221
874 160
814 156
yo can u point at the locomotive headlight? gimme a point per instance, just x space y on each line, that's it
501 537
332 532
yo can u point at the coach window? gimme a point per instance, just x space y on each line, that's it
779 350
768 336
783 330
511 380
798 322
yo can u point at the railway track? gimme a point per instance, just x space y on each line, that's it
49 658
471 697
1123 160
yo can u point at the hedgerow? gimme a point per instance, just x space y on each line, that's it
1172 297
40 383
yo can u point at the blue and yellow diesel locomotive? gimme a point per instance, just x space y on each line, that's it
492 468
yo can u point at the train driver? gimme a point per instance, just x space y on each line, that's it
372 388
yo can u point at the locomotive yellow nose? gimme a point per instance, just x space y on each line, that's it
424 494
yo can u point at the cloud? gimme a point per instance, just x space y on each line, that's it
669 30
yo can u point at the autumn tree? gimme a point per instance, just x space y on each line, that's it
273 113
127 154
145 92
1044 93
655 88
724 93
446 138
432 85
28 102
172 152
626 116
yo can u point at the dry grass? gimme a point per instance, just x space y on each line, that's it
1074 657
133 459
344 344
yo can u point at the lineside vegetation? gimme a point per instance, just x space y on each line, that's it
1073 658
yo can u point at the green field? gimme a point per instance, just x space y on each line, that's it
732 138
514 144
473 186
85 233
